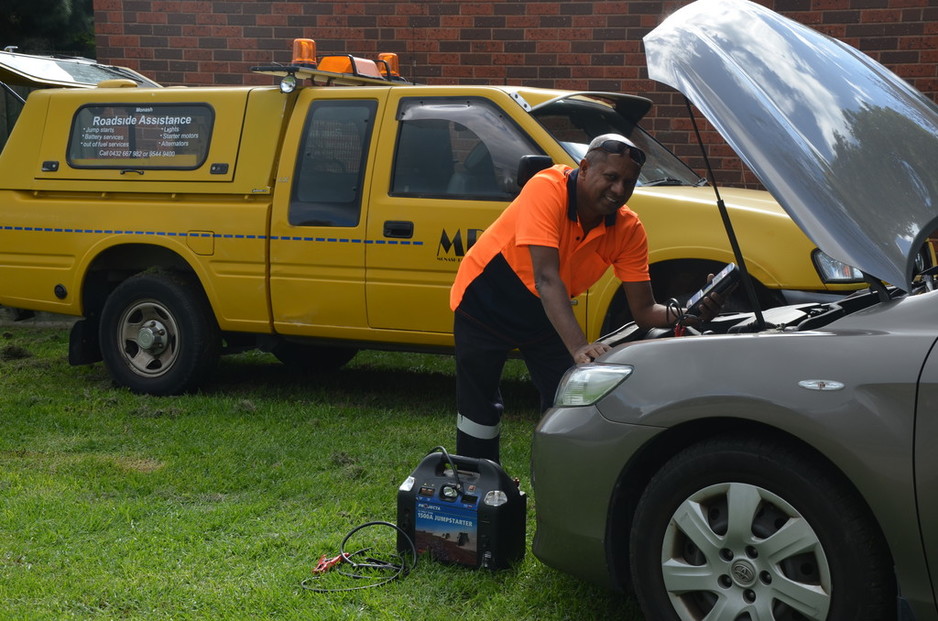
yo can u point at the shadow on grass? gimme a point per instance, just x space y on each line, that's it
423 381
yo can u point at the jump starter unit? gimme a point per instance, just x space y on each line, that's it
462 510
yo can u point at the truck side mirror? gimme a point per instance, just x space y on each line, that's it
530 165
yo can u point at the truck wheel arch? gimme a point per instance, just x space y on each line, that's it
114 265
104 273
158 334
679 279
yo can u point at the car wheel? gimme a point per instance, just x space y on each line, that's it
742 530
158 334
312 358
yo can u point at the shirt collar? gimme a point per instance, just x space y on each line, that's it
609 220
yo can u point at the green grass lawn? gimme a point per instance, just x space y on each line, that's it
217 505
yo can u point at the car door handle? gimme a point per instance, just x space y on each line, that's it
398 228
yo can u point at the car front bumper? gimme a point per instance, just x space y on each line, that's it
577 461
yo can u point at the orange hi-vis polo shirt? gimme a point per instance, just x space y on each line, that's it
544 214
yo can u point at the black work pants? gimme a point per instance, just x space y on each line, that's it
481 353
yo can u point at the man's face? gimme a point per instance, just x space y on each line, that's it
608 182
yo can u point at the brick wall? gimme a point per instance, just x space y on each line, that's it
577 44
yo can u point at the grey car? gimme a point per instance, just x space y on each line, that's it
782 466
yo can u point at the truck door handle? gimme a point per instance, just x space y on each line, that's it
398 228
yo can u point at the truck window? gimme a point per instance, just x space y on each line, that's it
330 167
457 147
10 109
141 136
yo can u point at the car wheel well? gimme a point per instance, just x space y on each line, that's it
636 475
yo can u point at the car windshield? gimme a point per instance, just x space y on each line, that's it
575 122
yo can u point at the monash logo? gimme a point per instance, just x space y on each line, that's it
454 248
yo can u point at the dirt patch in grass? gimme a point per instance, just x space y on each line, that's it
14 352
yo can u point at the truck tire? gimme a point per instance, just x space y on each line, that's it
158 334
304 358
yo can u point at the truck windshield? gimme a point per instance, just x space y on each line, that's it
575 122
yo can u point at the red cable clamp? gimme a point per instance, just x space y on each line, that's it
325 563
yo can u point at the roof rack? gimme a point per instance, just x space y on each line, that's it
340 70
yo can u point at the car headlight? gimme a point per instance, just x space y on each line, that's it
833 271
586 384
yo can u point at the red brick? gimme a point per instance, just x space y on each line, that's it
108 29
881 15
508 59
487 46
287 8
168 7
589 21
350 8
556 47
476 8
916 43
522 21
242 44
196 31
272 20
910 3
457 21
139 52
613 8
543 8
209 18
197 54
227 31
828 5
444 59
125 41
490 73
410 8
184 42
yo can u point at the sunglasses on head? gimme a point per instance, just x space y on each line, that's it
619 147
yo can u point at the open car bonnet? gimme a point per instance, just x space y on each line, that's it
845 146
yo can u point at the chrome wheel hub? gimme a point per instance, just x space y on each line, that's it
736 551
152 337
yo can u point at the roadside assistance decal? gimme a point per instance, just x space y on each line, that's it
164 136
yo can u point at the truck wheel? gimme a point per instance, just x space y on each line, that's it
312 358
738 528
158 334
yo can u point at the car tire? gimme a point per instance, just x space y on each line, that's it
158 334
311 359
708 539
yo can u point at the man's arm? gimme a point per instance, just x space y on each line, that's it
553 293
648 313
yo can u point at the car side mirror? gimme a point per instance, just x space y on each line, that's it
530 165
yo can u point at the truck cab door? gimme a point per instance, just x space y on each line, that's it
317 229
447 169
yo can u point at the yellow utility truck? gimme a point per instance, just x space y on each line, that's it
321 215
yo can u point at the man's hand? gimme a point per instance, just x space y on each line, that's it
590 352
713 302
